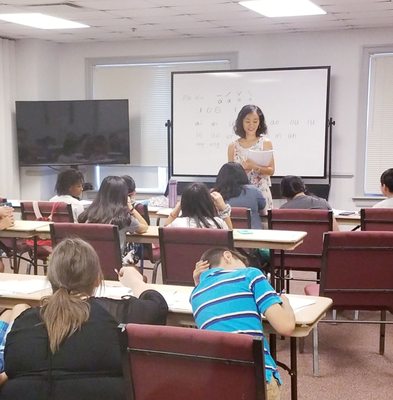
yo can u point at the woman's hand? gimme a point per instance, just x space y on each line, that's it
200 267
218 201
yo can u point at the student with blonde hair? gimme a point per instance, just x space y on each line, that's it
69 347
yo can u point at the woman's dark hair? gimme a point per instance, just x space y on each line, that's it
66 179
230 180
292 185
197 203
248 109
387 179
130 183
110 205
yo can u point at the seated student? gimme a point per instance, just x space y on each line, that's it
386 189
69 188
113 206
69 347
233 185
6 220
200 209
295 191
230 297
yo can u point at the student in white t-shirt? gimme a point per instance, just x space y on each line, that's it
69 188
386 189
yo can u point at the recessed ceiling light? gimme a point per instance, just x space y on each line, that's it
41 21
283 8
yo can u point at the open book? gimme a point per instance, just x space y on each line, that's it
262 158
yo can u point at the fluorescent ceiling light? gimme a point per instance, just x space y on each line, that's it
283 8
41 21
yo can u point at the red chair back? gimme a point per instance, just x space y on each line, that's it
181 248
357 270
316 223
206 365
376 219
241 217
57 211
103 237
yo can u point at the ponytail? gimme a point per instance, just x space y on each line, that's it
63 314
74 272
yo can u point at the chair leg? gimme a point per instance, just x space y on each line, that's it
315 353
356 315
382 329
154 277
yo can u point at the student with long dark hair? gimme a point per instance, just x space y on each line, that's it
112 205
232 182
69 347
200 209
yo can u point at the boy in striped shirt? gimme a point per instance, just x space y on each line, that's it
230 297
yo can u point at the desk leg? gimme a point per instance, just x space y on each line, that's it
273 345
35 250
293 371
15 256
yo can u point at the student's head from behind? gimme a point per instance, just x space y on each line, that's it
230 180
75 267
196 201
291 186
387 181
113 191
74 273
250 117
69 182
130 184
224 258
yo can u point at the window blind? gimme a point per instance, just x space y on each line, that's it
379 140
147 85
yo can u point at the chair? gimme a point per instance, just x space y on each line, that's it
181 248
241 217
376 219
103 237
357 274
307 256
184 362
149 252
46 210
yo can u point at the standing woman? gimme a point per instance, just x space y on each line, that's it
250 125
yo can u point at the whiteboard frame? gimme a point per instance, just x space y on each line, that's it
187 177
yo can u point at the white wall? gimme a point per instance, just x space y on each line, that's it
342 50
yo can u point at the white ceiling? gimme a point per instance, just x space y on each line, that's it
168 19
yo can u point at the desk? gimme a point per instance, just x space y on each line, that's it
24 230
243 238
352 220
180 310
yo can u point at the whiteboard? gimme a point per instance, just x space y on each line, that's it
205 106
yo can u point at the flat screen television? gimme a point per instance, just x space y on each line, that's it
73 132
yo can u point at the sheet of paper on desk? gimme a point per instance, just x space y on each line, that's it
113 292
27 286
298 303
177 300
164 211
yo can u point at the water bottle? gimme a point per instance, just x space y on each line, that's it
172 193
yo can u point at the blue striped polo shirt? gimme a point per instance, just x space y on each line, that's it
233 301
